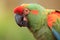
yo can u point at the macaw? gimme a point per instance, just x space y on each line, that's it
43 23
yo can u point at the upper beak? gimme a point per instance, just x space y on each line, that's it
21 21
18 18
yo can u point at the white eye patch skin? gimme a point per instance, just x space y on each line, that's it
26 11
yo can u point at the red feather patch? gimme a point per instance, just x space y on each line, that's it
34 12
18 10
52 18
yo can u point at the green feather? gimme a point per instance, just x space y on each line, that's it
38 23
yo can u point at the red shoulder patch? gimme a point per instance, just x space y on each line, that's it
34 12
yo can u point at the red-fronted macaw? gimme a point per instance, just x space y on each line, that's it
43 23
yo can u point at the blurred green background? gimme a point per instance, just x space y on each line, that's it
9 30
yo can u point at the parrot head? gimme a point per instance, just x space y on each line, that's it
28 12
21 13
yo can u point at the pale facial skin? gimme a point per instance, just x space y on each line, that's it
25 12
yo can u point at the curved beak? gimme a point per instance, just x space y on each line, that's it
20 20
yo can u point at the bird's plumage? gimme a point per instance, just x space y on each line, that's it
40 21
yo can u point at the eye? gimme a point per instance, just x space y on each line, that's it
26 11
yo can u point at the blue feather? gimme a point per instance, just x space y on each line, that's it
56 34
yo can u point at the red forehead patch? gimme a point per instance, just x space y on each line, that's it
18 10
